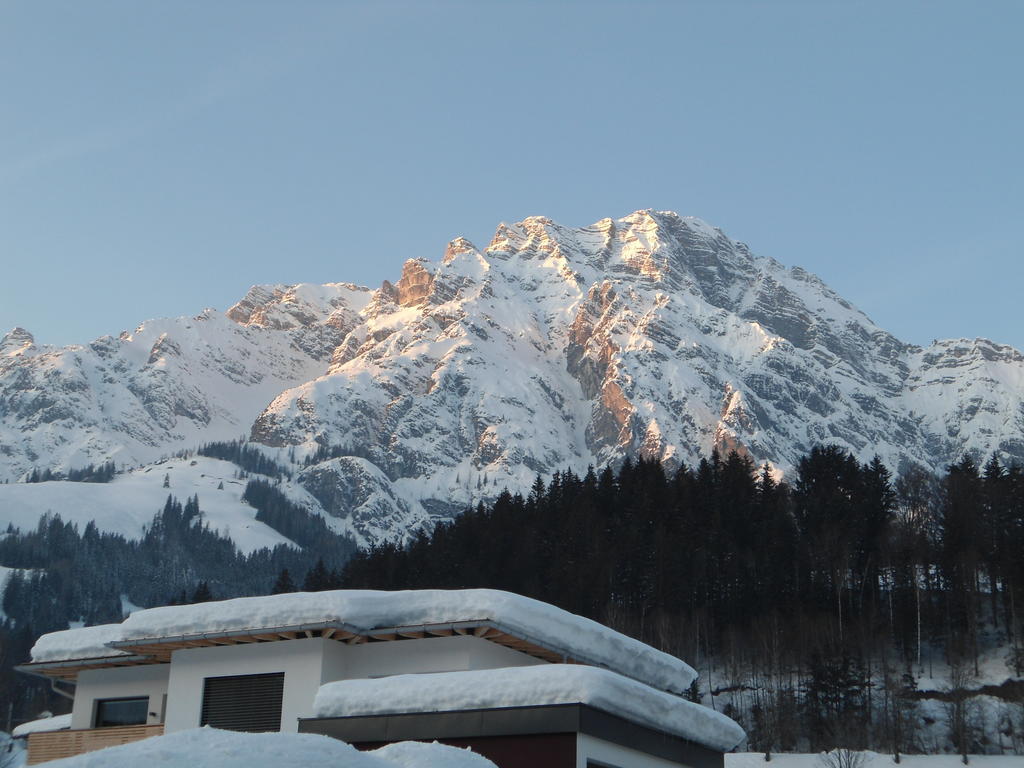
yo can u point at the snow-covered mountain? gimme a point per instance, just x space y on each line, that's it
167 385
552 347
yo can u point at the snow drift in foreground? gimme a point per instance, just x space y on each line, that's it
529 686
227 749
372 610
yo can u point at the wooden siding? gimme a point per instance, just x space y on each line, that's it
51 745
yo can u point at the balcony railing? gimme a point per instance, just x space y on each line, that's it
51 745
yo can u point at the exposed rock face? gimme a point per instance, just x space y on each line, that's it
552 347
969 395
358 493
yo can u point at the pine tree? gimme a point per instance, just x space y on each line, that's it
202 593
283 584
317 579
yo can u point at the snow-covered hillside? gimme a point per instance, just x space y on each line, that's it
127 504
551 347
168 384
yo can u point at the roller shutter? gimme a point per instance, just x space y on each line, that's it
243 702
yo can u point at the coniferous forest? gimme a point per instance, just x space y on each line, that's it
819 612
811 609
66 575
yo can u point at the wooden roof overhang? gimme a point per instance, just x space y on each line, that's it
486 629
68 670
158 650
161 648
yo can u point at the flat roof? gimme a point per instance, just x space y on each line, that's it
511 688
371 730
359 616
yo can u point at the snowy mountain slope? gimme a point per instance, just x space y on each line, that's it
969 393
127 504
654 334
168 385
552 347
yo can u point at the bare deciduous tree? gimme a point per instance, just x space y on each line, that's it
841 757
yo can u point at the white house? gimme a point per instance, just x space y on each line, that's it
522 682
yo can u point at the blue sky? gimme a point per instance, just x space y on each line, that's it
158 158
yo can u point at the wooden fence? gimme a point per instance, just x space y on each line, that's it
50 745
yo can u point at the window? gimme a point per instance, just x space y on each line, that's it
111 713
243 702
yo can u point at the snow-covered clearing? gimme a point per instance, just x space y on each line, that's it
127 504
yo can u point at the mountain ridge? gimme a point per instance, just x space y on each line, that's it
552 347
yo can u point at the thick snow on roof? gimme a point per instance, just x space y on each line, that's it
529 686
43 725
81 643
368 610
228 749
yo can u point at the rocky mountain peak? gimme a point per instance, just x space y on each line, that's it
457 247
16 342
286 307
414 287
652 334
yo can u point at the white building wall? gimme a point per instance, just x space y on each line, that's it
431 654
591 749
306 664
487 655
300 660
119 683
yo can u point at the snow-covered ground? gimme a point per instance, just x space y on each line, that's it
12 751
870 760
997 723
211 748
128 503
